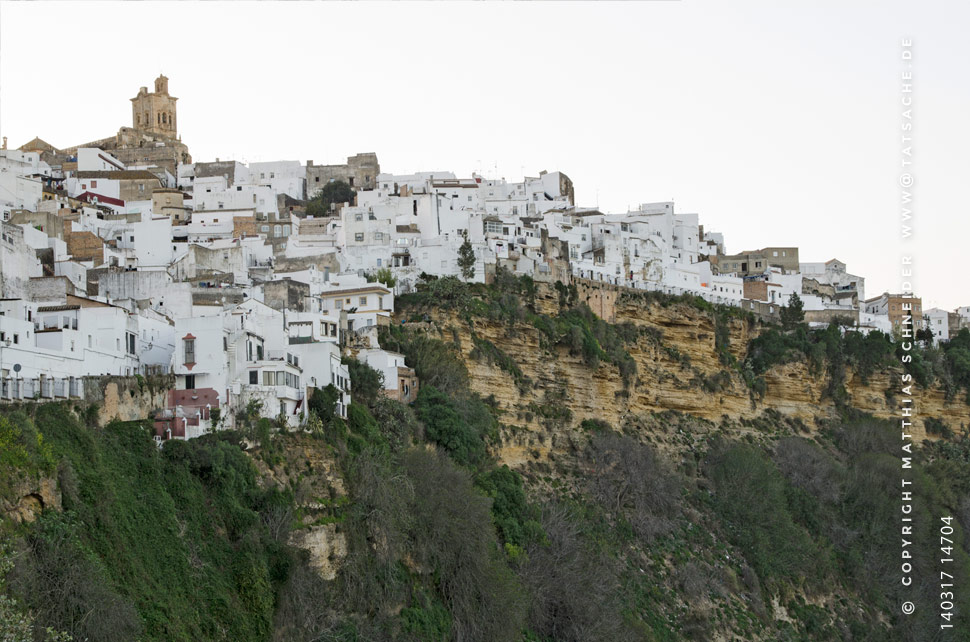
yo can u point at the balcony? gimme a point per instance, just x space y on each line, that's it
16 389
278 392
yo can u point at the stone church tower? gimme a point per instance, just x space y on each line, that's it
155 112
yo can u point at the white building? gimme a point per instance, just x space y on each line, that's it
938 322
21 184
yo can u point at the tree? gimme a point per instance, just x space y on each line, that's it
368 383
332 192
323 402
466 259
385 276
793 314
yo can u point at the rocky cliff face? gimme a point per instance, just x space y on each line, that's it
319 495
29 497
678 369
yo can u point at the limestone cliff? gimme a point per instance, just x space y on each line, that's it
678 369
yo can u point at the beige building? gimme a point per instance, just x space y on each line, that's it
757 262
170 203
897 307
360 172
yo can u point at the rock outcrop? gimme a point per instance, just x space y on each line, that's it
678 369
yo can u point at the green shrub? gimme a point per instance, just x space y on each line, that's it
515 520
458 428
749 496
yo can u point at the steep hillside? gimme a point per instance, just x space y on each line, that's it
678 473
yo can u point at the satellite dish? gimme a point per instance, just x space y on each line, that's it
16 367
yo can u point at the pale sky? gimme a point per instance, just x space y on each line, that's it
779 123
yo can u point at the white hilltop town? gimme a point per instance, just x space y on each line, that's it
123 257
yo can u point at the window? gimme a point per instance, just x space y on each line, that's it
277 230
338 304
378 263
378 236
286 230
363 300
359 236
359 216
190 382
94 184
254 377
264 228
189 346
131 342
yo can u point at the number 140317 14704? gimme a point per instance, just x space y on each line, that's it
947 596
